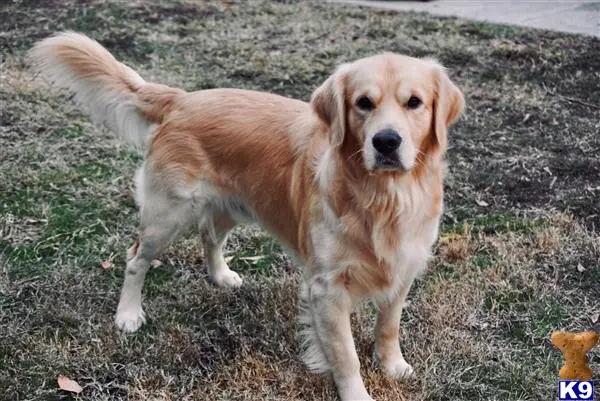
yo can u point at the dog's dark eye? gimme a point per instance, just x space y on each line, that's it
414 102
364 103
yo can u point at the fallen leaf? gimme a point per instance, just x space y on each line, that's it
69 385
253 259
482 203
580 268
595 317
107 264
156 263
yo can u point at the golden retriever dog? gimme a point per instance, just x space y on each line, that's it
351 183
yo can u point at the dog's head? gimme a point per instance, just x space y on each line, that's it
390 109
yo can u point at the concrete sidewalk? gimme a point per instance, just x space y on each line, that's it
574 16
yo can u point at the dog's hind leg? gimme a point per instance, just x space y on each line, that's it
161 220
214 234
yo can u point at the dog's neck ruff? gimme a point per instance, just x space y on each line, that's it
381 212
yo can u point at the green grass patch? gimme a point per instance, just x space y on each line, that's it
260 254
549 317
496 223
509 301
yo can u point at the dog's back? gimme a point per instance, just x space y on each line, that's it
238 141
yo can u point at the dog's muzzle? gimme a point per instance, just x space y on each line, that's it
386 143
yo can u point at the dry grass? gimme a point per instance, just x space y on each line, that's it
478 323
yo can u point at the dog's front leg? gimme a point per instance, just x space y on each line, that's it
387 345
331 305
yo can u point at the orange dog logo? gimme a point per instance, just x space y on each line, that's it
574 346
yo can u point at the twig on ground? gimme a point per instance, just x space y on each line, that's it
578 101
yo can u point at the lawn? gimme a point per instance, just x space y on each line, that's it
518 256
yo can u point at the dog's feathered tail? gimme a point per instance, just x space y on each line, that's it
114 94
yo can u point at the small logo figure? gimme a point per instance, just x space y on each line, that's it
574 346
576 375
576 390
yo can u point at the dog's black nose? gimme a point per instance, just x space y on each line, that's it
386 141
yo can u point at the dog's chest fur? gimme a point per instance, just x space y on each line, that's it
379 238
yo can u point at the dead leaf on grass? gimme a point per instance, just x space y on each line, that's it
69 385
107 264
253 259
580 268
482 203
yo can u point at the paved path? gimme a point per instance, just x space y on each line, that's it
575 16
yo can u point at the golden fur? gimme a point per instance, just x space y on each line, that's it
308 172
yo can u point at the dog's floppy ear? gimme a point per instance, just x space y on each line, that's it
448 104
329 102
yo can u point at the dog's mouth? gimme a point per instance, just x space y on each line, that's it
388 163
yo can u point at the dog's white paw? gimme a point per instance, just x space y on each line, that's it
353 390
130 319
398 368
362 397
227 278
